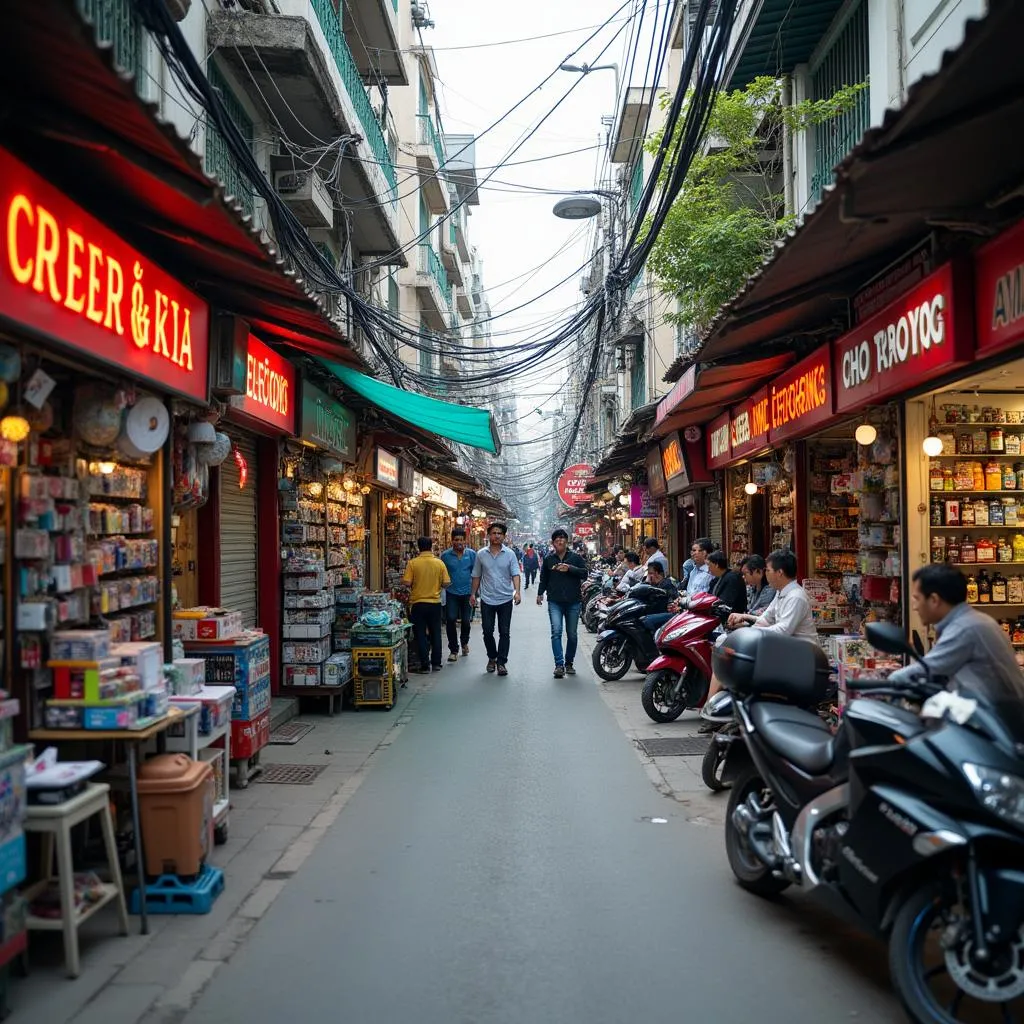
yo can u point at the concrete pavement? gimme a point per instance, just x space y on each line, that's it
508 860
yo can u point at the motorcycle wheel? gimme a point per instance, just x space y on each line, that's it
712 765
750 872
653 696
611 658
590 617
938 985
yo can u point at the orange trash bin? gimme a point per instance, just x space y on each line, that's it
176 809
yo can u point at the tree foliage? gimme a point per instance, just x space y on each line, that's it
730 210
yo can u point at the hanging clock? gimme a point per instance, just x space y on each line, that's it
693 433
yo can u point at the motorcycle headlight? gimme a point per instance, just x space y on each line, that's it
999 791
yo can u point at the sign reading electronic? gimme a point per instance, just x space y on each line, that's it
269 387
921 335
327 423
572 484
66 275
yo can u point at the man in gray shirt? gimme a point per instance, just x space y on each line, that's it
970 648
496 579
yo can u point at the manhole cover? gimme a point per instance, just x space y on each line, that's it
675 746
290 774
290 732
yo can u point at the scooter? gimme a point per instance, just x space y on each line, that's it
915 832
625 639
679 677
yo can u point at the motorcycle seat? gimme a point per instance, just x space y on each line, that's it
797 735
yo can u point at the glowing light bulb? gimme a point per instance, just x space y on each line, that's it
865 434
750 487
932 446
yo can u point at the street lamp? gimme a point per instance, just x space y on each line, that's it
585 69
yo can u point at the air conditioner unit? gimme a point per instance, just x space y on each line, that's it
306 195
229 337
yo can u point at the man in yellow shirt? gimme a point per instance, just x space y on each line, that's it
427 575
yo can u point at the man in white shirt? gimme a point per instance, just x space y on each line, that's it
790 610
700 580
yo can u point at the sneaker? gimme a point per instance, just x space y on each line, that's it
465 650
559 672
453 656
502 671
491 666
570 669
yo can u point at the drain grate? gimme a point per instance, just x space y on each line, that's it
290 732
290 774
675 746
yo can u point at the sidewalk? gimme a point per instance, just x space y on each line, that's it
676 777
273 829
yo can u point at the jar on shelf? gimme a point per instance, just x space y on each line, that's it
968 551
1007 627
995 512
998 588
980 512
1009 477
972 590
967 513
1012 443
996 440
979 440
1018 547
984 587
978 472
952 550
935 477
952 513
1018 468
1017 636
993 476
1015 592
948 480
938 547
1004 550
935 515
964 444
986 549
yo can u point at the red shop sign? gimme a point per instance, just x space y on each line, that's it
749 423
802 397
719 442
583 530
920 336
64 274
269 388
999 291
572 484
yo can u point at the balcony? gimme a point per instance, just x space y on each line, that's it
299 65
371 29
464 302
433 288
450 254
461 237
430 159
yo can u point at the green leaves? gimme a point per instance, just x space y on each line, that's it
729 213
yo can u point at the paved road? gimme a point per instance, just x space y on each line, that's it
499 864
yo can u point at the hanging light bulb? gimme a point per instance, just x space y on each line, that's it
750 487
14 427
106 468
365 489
865 434
932 446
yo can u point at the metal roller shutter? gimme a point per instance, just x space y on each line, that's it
239 566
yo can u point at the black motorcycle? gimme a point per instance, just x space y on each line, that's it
625 639
914 831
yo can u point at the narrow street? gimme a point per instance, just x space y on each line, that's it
500 864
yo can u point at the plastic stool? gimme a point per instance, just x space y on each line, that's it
55 824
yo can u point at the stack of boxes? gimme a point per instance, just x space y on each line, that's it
13 867
856 659
309 615
379 655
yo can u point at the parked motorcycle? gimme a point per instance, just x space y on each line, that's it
679 677
917 832
625 639
595 598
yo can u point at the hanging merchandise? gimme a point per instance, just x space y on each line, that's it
146 427
97 415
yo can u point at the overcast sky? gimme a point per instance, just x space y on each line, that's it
525 249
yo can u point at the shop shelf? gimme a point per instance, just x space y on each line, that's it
978 455
961 529
958 490
985 565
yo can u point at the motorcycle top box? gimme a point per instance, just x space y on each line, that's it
763 663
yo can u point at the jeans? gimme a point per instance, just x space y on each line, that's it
503 614
426 631
570 615
657 620
531 575
458 610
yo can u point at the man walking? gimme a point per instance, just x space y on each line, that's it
459 561
496 579
561 577
531 563
426 574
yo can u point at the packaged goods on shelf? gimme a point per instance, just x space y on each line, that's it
304 580
80 645
306 631
101 680
214 709
309 617
121 713
303 675
857 659
337 669
185 676
297 600
308 652
202 623
146 659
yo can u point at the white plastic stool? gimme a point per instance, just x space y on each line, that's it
55 824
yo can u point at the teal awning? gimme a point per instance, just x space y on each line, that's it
461 423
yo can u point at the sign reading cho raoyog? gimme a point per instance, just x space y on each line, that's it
573 482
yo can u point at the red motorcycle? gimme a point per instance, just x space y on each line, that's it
679 678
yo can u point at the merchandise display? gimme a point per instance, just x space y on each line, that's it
763 521
13 863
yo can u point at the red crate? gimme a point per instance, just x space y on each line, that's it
249 736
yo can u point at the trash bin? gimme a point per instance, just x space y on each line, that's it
176 810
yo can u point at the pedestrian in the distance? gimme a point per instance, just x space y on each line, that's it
427 576
496 580
459 561
561 577
531 563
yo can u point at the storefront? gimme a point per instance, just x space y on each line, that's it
686 511
107 358
395 482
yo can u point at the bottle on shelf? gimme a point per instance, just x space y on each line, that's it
1009 477
968 551
984 587
935 477
1015 590
1018 547
996 437
999 588
936 512
952 551
993 476
972 590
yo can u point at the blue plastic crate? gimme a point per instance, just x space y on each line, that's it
170 894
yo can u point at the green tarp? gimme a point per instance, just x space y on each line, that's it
461 423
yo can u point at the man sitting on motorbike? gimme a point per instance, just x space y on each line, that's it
969 645
633 575
656 578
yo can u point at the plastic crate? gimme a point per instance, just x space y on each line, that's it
374 692
377 636
249 737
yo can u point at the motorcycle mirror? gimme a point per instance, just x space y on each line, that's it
888 638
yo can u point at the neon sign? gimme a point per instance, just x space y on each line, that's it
243 469
269 387
63 273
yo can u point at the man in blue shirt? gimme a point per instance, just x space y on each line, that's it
496 578
459 561
700 579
